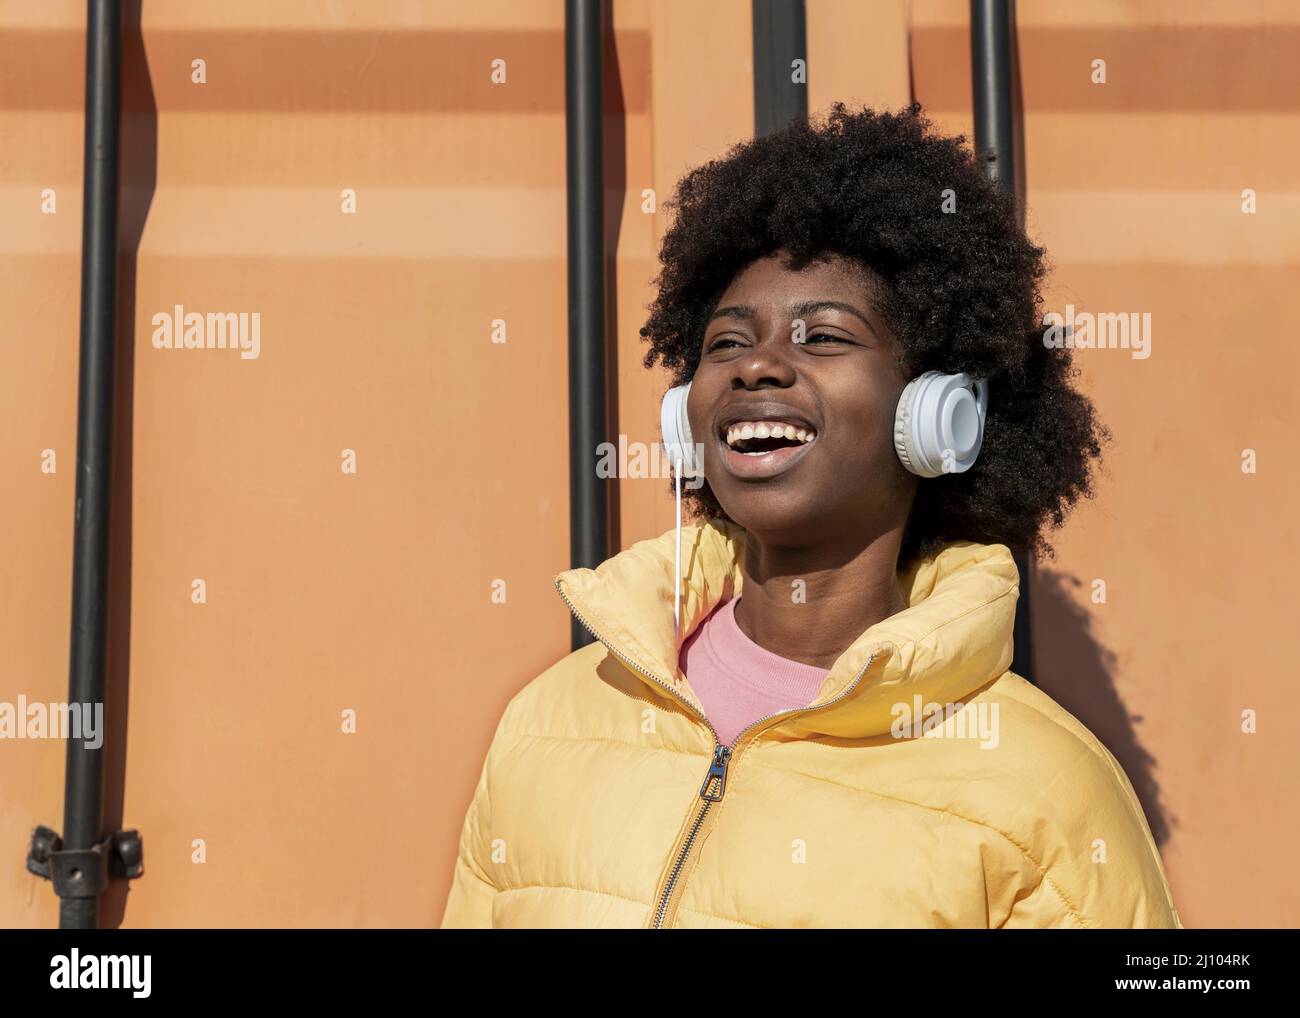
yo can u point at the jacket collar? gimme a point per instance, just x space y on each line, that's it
955 636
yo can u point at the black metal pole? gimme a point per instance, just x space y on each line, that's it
991 80
83 791
589 524
992 56
780 38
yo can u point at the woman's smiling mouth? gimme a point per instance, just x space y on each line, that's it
758 448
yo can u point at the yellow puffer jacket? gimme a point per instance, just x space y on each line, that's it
606 801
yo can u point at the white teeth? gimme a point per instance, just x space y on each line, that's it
741 431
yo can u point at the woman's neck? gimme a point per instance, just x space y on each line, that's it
810 602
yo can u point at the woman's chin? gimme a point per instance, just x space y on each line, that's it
775 514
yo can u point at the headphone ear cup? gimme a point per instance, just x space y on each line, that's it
676 429
903 424
936 414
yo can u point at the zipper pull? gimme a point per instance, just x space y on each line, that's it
717 769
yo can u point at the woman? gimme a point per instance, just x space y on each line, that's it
829 734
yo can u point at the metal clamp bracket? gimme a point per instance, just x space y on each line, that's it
85 872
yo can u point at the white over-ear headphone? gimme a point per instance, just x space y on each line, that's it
938 425
676 428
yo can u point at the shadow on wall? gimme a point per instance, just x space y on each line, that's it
137 173
1078 673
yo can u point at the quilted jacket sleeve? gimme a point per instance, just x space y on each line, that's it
1096 863
469 904
1047 907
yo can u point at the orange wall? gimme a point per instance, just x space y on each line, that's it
372 591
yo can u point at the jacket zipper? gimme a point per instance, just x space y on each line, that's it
722 754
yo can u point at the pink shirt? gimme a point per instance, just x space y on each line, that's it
738 681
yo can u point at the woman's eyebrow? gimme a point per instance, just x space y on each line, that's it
811 307
741 311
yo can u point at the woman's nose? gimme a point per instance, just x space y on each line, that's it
768 362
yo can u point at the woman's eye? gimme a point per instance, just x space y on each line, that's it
818 338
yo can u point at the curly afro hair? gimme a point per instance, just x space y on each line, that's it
959 288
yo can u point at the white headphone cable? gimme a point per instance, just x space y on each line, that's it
677 574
